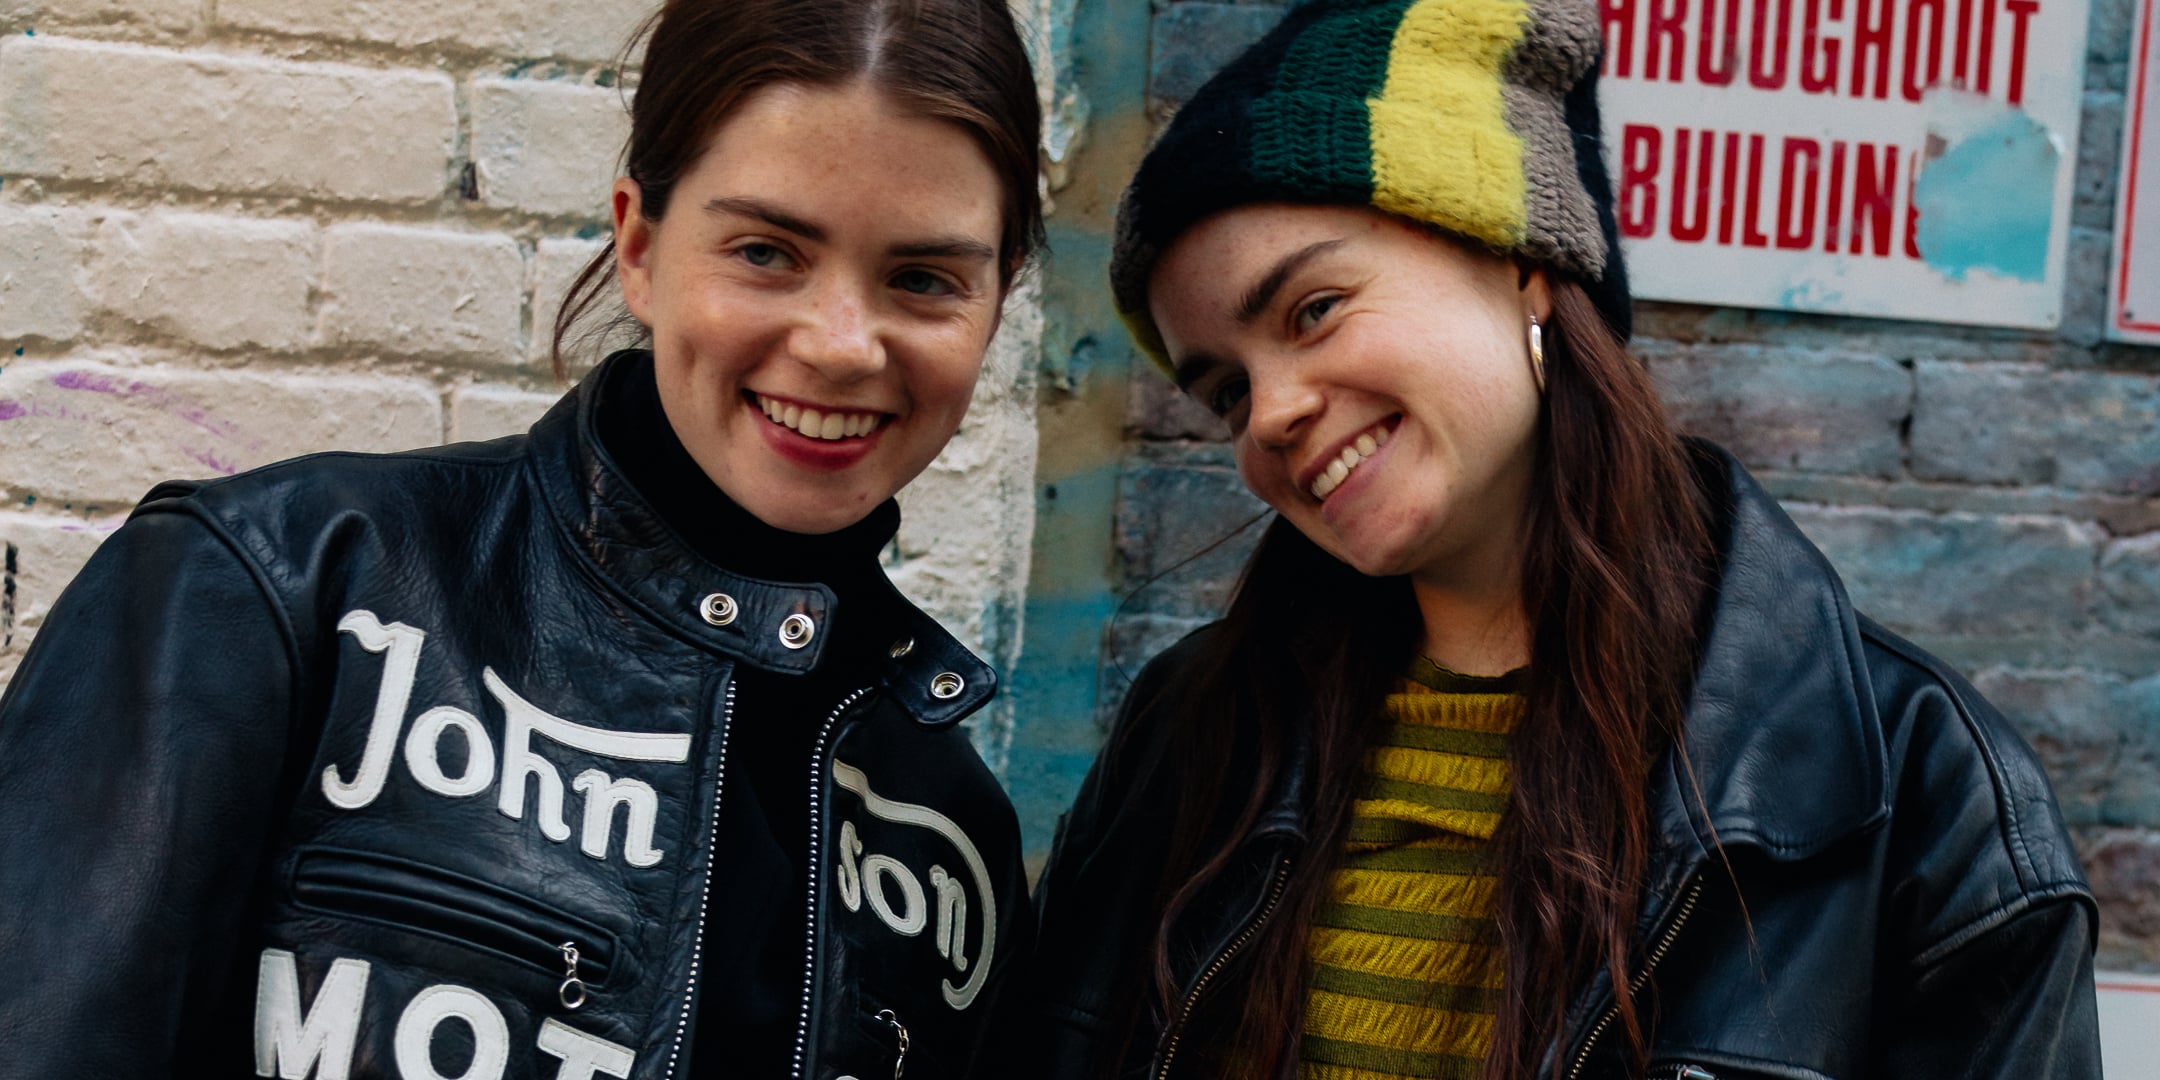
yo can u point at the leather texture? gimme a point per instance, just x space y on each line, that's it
314 770
1872 881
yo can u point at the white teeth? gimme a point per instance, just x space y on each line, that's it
815 424
1353 455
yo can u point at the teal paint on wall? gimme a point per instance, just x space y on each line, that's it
1988 203
1087 360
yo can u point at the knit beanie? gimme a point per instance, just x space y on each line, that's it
1479 117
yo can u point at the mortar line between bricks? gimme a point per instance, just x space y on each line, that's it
325 213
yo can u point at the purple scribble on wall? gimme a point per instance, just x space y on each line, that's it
211 460
157 398
9 410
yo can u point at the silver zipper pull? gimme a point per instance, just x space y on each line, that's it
572 991
1692 1072
899 1064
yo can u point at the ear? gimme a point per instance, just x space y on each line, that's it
633 249
1536 291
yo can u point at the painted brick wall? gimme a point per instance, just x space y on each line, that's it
232 231
1994 495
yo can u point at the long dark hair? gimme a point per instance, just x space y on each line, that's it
955 60
1615 576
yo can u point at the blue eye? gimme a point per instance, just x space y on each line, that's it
922 283
1310 315
763 255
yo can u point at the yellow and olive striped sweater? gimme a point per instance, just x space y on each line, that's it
1405 974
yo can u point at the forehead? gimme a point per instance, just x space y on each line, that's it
853 150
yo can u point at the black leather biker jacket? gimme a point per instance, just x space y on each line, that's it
1901 900
409 766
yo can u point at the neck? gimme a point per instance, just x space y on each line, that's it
1473 615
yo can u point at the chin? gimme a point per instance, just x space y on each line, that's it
802 508
1369 560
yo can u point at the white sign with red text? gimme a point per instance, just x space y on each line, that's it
2134 286
1899 158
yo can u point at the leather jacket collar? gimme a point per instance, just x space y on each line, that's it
625 543
1781 695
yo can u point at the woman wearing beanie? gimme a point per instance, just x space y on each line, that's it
1537 742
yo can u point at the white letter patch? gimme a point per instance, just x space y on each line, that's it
877 868
291 1044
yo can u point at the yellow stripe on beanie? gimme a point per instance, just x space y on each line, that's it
1442 151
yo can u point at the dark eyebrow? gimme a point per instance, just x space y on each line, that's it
766 212
946 247
1263 292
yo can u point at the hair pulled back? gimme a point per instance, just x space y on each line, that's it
955 60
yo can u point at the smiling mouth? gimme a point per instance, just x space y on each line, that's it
830 426
1360 449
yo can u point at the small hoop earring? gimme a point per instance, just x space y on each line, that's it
1537 353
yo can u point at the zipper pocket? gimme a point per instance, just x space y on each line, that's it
900 1042
451 907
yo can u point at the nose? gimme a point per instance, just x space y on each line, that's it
1280 405
838 335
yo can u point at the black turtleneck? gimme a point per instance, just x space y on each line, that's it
751 984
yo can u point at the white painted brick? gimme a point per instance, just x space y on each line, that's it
547 147
159 118
968 522
92 438
423 291
39 554
218 281
556 266
490 412
571 29
170 15
41 257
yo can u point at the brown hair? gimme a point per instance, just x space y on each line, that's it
956 60
1615 580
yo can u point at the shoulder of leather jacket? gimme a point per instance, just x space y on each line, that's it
281 513
1798 693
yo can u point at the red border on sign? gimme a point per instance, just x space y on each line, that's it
2137 132
2135 988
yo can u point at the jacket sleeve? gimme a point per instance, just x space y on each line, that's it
141 745
2015 1000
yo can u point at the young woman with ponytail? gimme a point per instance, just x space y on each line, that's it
1537 742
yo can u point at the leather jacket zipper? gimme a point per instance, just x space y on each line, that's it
712 836
1176 1030
422 899
1635 985
900 1037
816 894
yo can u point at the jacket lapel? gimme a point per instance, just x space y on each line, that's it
1783 749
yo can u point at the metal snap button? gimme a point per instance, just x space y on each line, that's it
903 647
718 609
947 686
796 631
